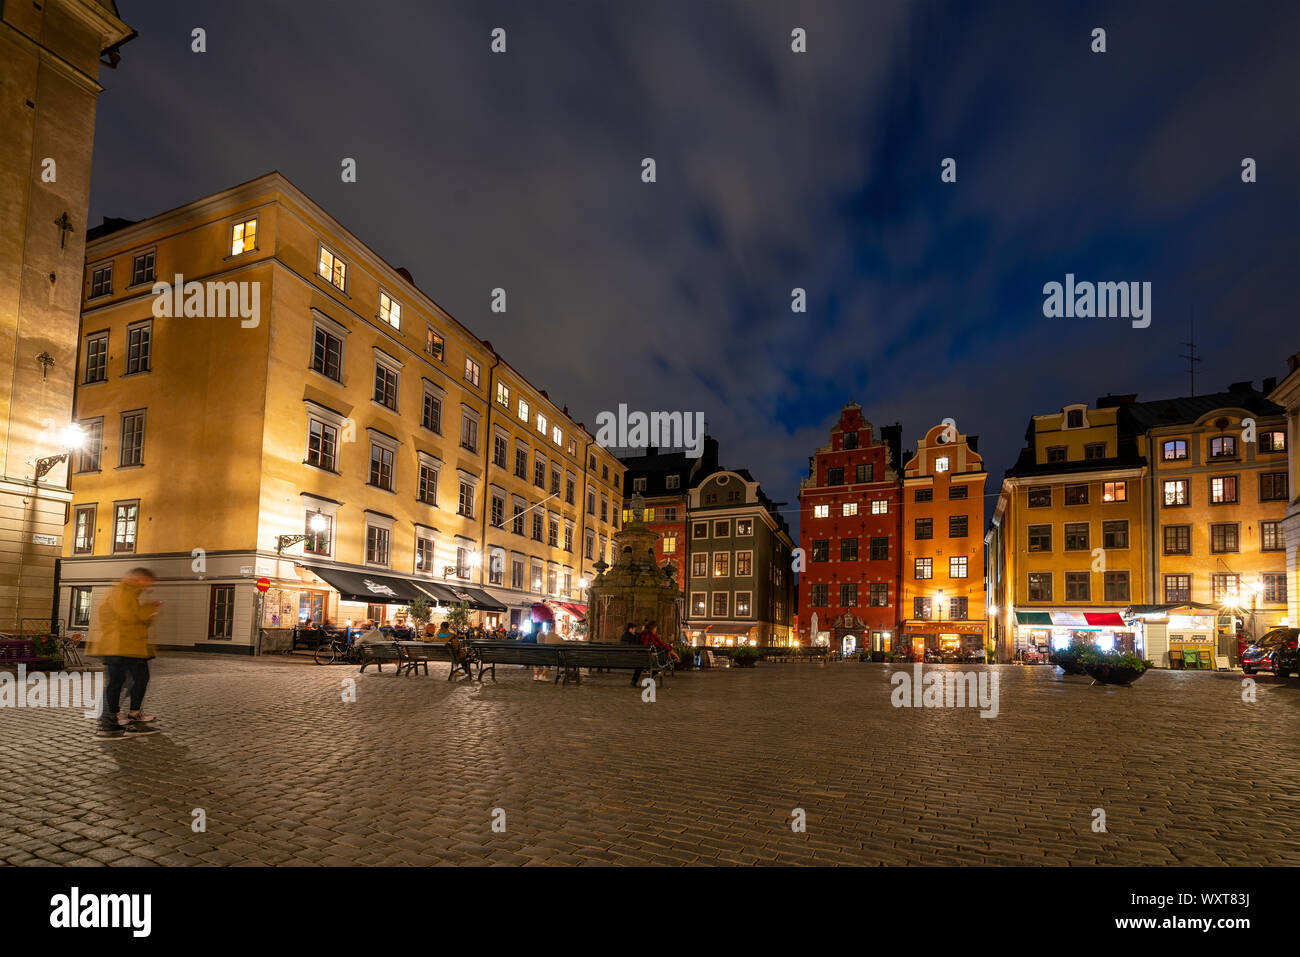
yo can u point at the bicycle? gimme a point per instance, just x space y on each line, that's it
337 651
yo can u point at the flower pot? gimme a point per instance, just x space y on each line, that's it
1070 664
1108 674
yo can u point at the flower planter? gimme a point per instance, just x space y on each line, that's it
1108 674
1070 664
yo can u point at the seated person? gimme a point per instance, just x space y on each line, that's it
459 650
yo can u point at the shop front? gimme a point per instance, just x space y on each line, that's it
952 639
570 619
1040 632
1186 636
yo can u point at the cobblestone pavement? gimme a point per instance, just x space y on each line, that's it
711 772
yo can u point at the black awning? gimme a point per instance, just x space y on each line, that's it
369 587
437 591
475 598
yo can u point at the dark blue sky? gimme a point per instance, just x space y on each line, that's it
775 170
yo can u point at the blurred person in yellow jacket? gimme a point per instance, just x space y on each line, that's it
120 636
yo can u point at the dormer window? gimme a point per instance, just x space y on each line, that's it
1074 418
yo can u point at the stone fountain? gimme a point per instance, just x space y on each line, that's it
635 589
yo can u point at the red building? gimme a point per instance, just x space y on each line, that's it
850 531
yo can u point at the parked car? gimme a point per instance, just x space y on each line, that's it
1274 651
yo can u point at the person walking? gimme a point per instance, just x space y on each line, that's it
121 638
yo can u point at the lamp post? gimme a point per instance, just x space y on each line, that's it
317 523
72 438
1256 591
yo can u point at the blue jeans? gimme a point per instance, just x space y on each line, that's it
116 670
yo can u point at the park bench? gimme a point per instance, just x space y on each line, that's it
18 651
648 658
417 654
378 652
489 654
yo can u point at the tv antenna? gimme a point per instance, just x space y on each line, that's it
1190 355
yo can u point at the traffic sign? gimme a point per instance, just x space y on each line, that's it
263 584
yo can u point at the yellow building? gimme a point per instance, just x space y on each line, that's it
1066 549
49 67
1287 395
269 398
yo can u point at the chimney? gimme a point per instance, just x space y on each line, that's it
1268 385
1241 386
405 274
973 443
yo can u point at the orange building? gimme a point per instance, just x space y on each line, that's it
943 604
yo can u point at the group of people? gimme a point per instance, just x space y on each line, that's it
647 634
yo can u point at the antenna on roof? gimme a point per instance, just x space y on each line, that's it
1191 350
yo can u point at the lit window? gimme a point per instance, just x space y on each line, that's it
821 511
390 310
848 509
541 423
557 435
941 464
472 371
523 411
880 507
332 269
433 344
503 395
243 237
1114 491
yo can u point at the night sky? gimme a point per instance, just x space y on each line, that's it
775 170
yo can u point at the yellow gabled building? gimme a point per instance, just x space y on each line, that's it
267 397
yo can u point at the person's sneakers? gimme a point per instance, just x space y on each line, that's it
136 729
129 717
109 734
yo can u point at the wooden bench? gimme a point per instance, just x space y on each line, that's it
489 654
377 652
615 657
417 654
18 651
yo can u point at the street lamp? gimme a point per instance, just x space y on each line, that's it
1256 591
317 523
72 438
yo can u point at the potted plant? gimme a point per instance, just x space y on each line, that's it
744 657
419 611
685 655
457 619
1114 667
1070 659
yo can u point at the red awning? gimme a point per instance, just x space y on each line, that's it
542 612
577 611
1104 619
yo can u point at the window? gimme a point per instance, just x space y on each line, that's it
96 358
745 563
377 545
1272 442
924 529
332 269
517 520
721 564
1076 495
381 467
1040 538
500 449
1272 487
427 489
573 451
1093 451
1055 454
142 268
880 507
850 440
327 355
423 554
570 488
322 444
1178 588
465 500
385 386
1115 586
673 481
1223 586
126 519
923 569
1040 586
835 476
521 462
720 604
1274 588
537 526
849 595
958 566
138 340
700 530
1223 490
669 543
921 608
744 526
1078 586
1114 534
83 536
923 495
433 344
1076 536
79 617
958 526
1174 450
523 417
699 565
497 568
1074 419
959 608
604 509
848 509
390 310
865 473
941 464
1270 537
848 550
539 472
552 583
541 424
821 550
743 604
1114 491
88 456
469 432
1040 496
1175 493
517 574
1223 447
318 543
553 533
821 511
557 435
1178 539
1224 537
221 616
132 448
498 512
472 372
243 237
101 281
879 594
880 549
819 596
697 604
957 492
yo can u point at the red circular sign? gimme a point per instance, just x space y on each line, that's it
263 584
